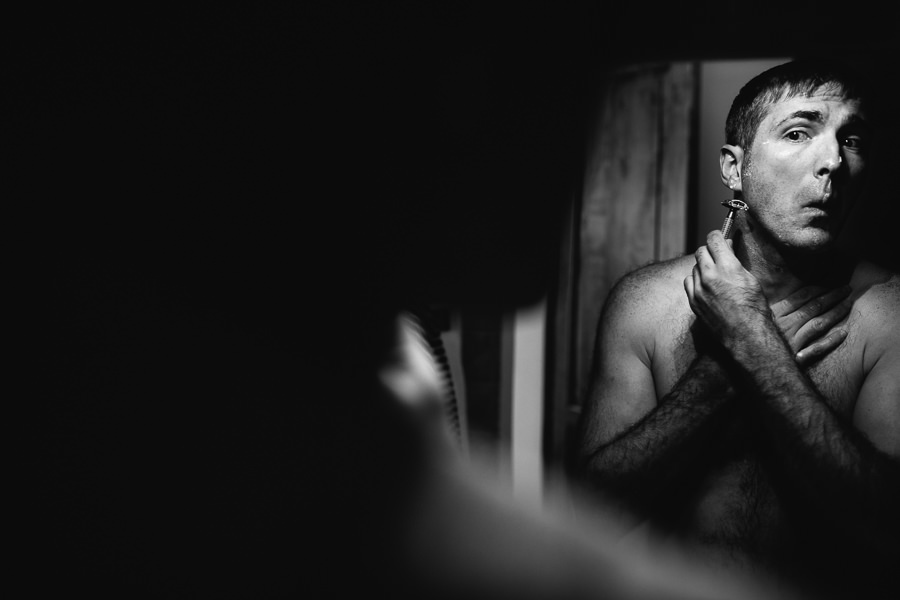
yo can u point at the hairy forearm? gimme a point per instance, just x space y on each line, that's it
649 456
826 460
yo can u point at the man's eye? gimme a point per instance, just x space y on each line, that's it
853 142
797 136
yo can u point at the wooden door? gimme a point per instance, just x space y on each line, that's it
633 210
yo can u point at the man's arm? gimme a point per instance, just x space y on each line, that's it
632 447
851 470
848 470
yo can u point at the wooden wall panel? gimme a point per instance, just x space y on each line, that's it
678 133
633 209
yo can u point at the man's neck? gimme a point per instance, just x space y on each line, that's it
782 271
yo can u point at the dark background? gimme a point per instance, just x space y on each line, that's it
153 130
213 208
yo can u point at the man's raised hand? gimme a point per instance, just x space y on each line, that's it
808 318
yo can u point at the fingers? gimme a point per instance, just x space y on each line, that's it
719 247
704 260
831 300
692 283
805 315
788 305
816 326
821 347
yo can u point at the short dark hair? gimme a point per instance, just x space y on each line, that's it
788 80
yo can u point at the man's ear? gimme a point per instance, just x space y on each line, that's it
731 160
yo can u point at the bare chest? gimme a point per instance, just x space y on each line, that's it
734 506
838 376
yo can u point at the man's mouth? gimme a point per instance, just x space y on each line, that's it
816 212
823 207
825 200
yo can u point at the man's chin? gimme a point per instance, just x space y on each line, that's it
815 241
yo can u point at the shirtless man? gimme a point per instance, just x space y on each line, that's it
746 399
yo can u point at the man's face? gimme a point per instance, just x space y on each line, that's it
804 169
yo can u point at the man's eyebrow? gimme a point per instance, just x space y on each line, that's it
856 121
815 116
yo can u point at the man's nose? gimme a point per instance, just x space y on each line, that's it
829 159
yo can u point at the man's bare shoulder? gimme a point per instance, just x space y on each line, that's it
876 301
876 293
654 286
875 283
